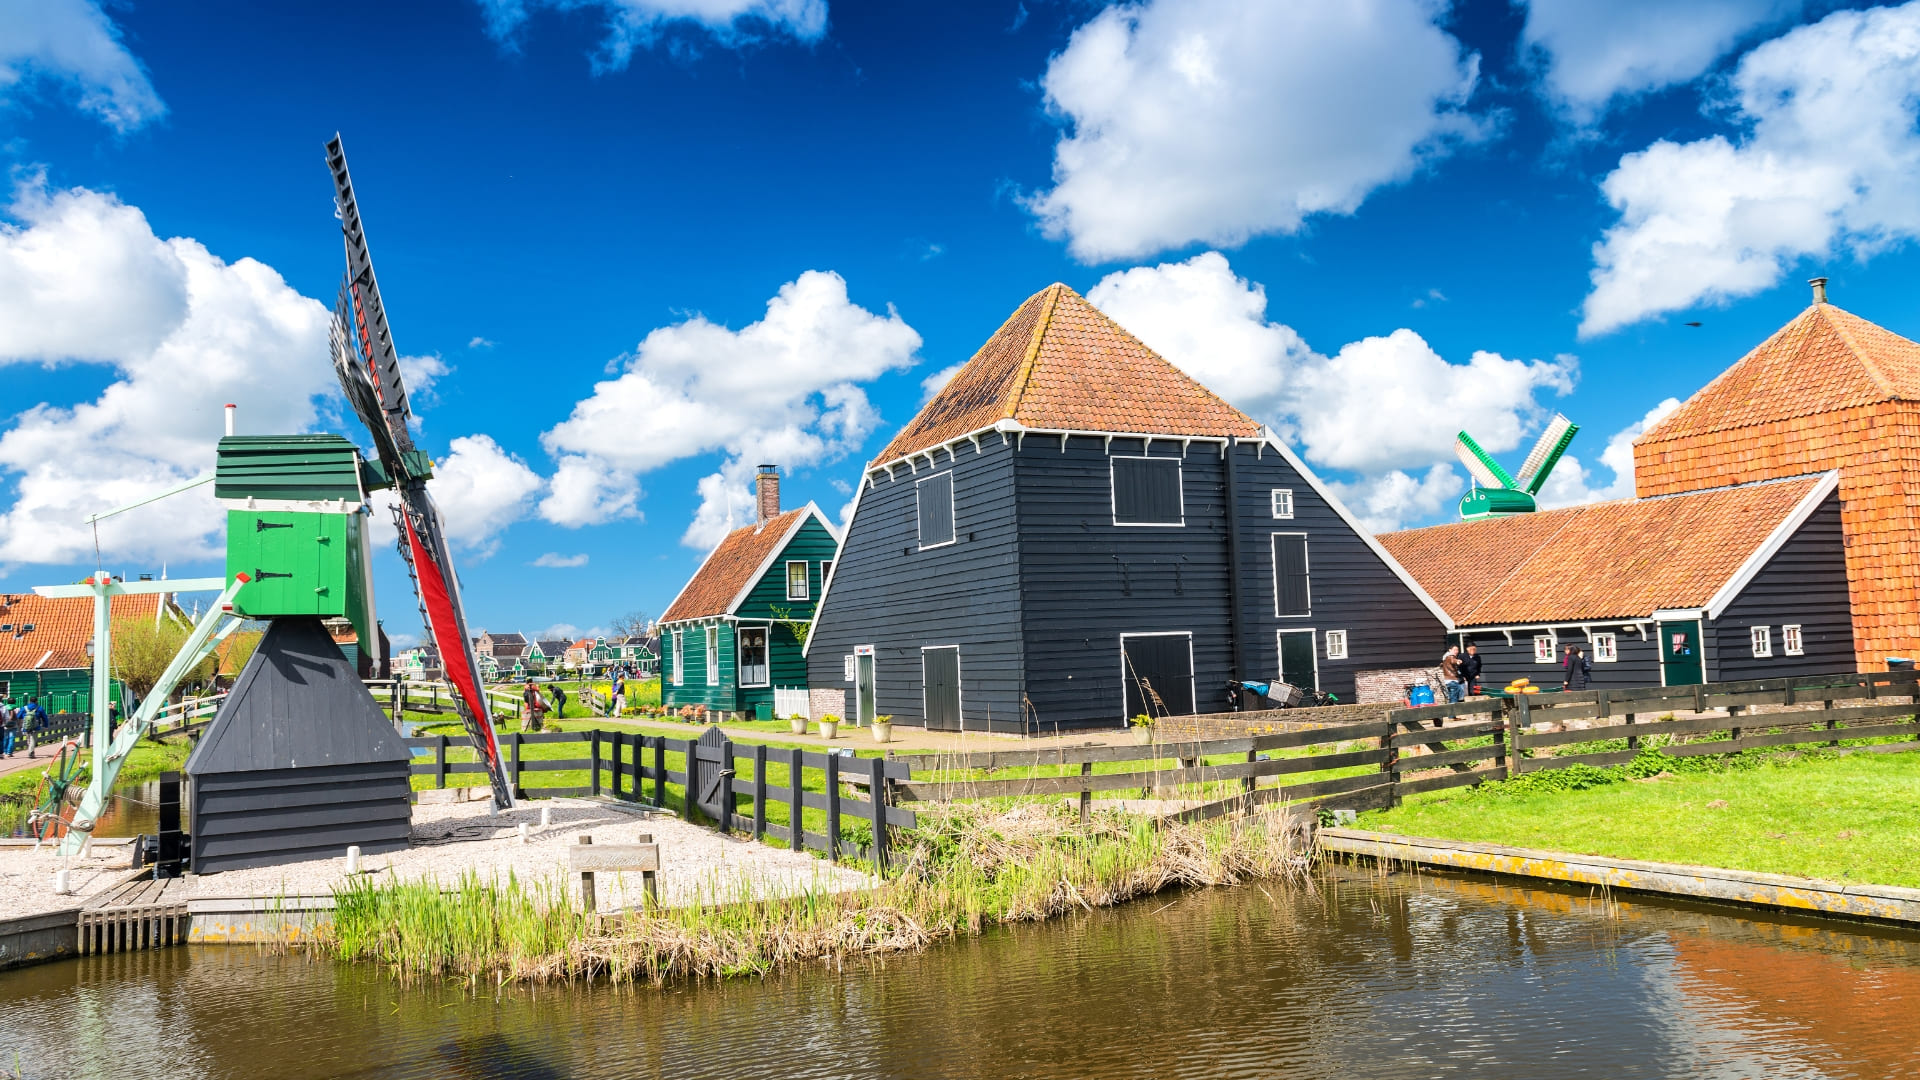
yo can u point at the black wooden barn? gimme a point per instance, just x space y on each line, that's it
299 763
1731 583
1073 532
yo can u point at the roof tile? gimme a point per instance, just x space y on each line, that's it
730 568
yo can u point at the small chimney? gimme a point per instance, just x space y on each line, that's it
766 486
1819 289
230 408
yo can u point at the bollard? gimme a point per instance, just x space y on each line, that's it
63 882
353 858
526 832
546 817
586 880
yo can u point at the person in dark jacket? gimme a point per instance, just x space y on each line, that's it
1470 665
1579 669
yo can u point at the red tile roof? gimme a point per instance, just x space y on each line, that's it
61 628
1059 363
1611 560
730 568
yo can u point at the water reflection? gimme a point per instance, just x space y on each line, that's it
1360 977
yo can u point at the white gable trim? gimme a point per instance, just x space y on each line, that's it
1320 489
839 553
774 554
1829 483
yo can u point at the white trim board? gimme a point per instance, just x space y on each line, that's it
1762 555
1313 639
774 555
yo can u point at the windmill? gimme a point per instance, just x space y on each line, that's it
1496 491
369 368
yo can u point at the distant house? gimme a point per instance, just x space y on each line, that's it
577 653
633 651
546 657
1073 531
419 664
45 645
734 632
1731 583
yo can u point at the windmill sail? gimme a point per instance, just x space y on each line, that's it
1484 470
369 369
1546 453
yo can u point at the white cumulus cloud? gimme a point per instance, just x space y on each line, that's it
84 279
1571 482
1394 498
1593 53
1216 120
72 44
558 561
632 24
1824 162
480 490
784 390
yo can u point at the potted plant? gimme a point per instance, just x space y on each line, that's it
883 728
797 724
1142 728
829 726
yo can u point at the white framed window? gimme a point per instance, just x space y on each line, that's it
1283 503
679 658
1147 491
1762 640
713 656
797 588
1292 589
1543 649
1790 642
933 500
1606 649
1336 644
753 656
847 673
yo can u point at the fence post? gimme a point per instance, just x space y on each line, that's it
726 786
1501 758
1633 741
798 793
660 771
1086 794
760 791
1828 706
833 807
1522 725
440 760
594 754
513 757
877 795
613 766
1391 766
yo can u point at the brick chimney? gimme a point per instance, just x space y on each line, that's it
1819 289
766 486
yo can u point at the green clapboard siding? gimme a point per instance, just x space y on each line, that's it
294 467
319 554
697 690
59 690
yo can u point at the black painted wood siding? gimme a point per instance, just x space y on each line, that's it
274 816
1639 663
1805 583
1084 581
1351 587
888 594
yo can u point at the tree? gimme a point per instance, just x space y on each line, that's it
142 649
237 650
632 624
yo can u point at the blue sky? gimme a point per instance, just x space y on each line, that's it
635 247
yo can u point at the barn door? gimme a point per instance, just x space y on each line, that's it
940 670
1680 661
1157 671
1297 661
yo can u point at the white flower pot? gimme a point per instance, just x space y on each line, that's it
798 724
829 729
883 733
1141 734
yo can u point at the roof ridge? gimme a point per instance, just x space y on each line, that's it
1020 377
1879 377
1519 564
1155 353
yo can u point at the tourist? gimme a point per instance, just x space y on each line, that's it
559 701
1450 675
36 723
534 707
1470 668
15 717
1579 669
619 694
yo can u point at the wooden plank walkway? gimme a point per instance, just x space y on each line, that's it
135 914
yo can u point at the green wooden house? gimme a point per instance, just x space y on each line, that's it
734 633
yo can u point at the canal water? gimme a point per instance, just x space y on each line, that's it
1364 976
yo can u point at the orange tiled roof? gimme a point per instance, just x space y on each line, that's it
1611 560
61 628
1058 362
1825 359
729 568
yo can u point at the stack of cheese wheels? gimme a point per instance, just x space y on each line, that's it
1522 686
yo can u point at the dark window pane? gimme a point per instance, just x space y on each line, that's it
935 496
1292 596
1146 491
753 657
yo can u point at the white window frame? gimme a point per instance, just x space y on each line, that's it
1273 559
1180 482
953 512
1606 648
679 658
739 661
1193 676
1762 640
847 670
1282 503
1280 635
1551 654
1336 644
713 655
806 582
1792 641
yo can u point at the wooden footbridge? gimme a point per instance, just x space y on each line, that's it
134 915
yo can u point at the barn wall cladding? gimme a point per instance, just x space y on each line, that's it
1803 585
299 762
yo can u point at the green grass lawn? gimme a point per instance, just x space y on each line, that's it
1853 818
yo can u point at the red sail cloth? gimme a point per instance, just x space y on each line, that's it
448 634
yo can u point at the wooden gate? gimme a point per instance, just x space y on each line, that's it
710 775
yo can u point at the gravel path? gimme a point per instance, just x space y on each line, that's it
451 840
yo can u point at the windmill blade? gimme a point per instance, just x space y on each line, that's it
1546 453
369 311
1484 470
351 369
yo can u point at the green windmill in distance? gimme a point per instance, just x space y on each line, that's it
1497 492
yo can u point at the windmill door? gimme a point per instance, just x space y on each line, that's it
1157 671
710 775
1680 660
940 667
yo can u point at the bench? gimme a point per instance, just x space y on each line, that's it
584 858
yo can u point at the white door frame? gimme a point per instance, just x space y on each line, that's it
1193 689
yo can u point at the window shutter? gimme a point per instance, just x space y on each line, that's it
935 498
1290 575
1146 491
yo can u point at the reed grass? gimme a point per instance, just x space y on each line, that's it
962 870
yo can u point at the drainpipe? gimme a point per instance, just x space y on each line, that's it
1235 629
